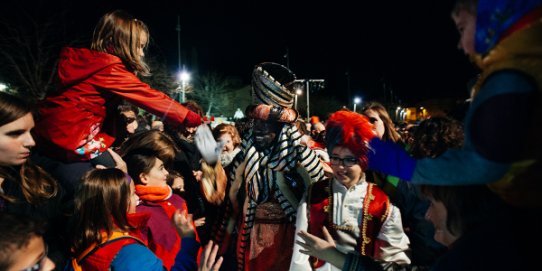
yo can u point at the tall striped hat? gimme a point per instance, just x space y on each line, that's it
272 85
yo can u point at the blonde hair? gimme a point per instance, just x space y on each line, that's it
120 34
225 128
213 183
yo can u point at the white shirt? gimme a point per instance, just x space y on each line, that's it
347 211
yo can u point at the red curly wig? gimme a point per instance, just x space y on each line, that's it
350 130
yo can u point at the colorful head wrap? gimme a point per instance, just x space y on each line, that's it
495 18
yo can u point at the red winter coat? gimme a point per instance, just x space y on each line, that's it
91 86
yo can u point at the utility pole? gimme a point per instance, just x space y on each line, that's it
347 73
178 28
307 83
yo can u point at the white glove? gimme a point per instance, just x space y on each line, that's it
208 147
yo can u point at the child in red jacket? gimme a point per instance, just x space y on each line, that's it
77 123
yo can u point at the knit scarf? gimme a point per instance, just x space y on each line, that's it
153 193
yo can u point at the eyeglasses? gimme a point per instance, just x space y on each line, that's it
41 262
347 161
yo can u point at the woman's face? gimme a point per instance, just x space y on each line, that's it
157 176
32 256
378 124
228 142
134 199
346 167
437 214
465 23
16 141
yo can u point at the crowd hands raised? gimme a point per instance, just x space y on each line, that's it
270 192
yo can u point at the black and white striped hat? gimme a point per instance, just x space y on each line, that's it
272 85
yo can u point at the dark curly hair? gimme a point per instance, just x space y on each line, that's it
435 135
17 231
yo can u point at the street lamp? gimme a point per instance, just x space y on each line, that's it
298 92
307 83
357 100
184 77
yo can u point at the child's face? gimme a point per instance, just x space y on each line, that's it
438 214
31 256
157 176
348 175
465 23
142 44
228 142
134 199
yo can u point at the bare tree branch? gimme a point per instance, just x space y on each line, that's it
29 45
212 91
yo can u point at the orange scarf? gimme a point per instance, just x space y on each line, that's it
153 193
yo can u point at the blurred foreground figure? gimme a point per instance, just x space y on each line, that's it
503 37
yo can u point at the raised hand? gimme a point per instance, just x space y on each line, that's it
120 164
323 249
208 257
184 224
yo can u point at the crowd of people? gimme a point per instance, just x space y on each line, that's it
88 183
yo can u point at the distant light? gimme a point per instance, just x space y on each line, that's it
398 108
3 86
298 91
184 76
357 100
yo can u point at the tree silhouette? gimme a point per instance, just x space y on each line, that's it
216 93
30 42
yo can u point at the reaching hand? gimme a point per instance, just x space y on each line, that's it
184 224
120 164
192 119
199 222
198 174
208 147
320 248
208 257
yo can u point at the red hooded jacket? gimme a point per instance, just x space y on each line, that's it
91 86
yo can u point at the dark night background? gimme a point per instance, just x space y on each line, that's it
386 50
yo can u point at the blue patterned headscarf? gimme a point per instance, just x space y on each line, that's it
494 17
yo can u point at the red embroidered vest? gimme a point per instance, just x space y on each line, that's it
376 208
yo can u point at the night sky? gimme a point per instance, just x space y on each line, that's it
358 47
